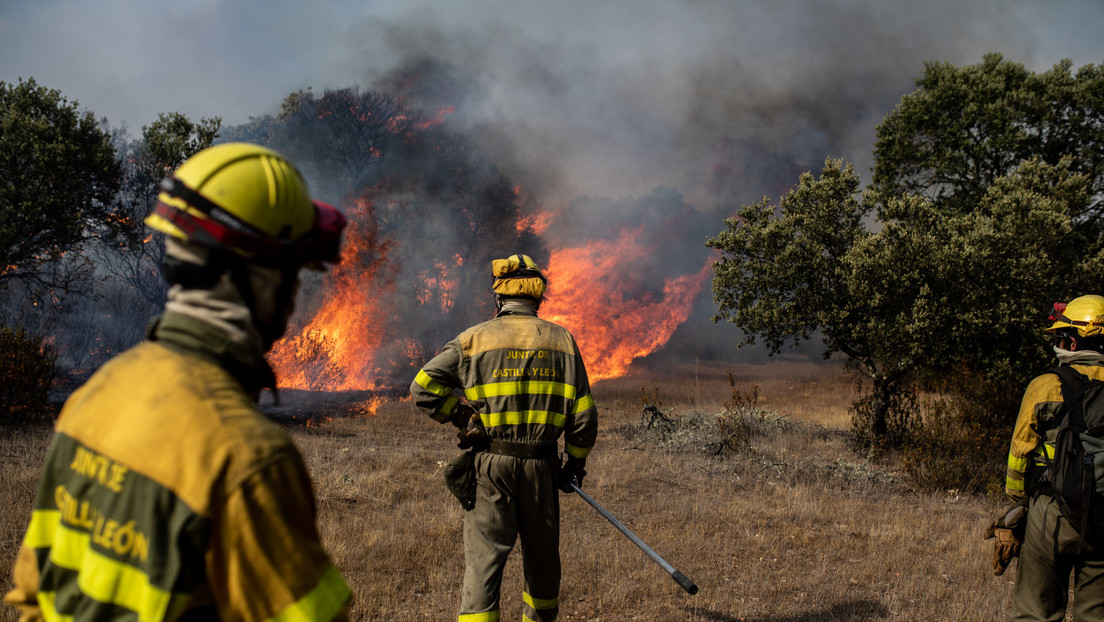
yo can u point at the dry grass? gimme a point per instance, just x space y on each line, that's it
792 526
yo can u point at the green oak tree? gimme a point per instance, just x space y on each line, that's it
58 180
919 297
983 210
134 255
966 127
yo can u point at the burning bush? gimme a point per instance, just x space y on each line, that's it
27 367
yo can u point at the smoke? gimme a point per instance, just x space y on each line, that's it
651 116
670 115
719 99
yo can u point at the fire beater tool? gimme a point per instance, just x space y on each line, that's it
679 578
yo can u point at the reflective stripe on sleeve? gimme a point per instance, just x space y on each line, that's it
325 601
576 452
1016 463
583 404
447 407
429 384
48 605
41 530
1014 477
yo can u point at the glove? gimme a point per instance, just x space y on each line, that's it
574 470
472 434
1008 531
461 415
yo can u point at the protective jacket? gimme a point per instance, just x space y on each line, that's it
167 494
527 379
1036 427
523 374
1051 550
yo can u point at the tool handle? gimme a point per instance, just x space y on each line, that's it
680 578
685 582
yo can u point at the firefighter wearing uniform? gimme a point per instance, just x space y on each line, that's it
526 379
1048 553
166 493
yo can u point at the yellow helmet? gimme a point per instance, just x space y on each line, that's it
250 200
1085 314
518 275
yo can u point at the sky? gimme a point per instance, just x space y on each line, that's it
606 98
612 113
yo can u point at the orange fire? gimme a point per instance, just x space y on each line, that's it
589 296
355 339
537 223
368 407
335 351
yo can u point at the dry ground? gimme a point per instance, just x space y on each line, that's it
791 526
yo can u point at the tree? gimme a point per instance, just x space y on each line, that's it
984 209
134 255
429 213
966 127
926 296
58 179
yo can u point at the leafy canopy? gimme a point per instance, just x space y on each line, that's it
58 179
983 210
966 127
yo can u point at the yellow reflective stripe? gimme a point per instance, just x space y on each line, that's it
48 608
583 404
540 603
105 579
526 387
325 601
1014 484
40 533
1016 463
578 452
429 384
488 616
544 417
447 407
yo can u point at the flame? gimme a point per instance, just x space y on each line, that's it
368 407
437 119
438 285
537 223
613 324
335 351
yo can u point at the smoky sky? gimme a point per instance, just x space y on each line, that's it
611 113
576 97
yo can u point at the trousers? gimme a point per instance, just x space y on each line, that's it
515 498
1048 558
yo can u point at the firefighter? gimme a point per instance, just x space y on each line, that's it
166 493
1045 541
519 380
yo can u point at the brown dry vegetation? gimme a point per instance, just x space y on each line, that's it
790 526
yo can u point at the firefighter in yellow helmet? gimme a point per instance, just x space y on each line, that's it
1048 545
518 381
166 493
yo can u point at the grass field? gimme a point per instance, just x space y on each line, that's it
786 524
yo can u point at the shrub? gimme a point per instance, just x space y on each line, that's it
961 441
735 425
900 419
27 367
